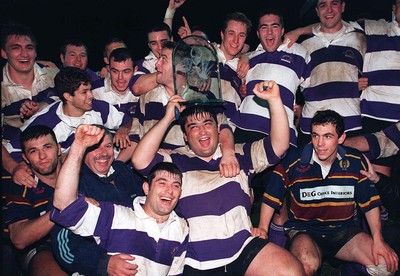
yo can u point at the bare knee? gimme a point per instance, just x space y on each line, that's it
307 252
310 262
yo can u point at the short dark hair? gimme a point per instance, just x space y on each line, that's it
271 11
197 111
121 54
17 29
112 40
237 16
68 80
34 132
323 117
73 42
316 2
160 28
163 166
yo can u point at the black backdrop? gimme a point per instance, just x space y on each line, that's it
93 21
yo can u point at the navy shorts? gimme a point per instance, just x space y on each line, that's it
328 244
237 267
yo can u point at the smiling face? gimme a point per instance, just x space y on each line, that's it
42 154
330 15
201 134
325 141
120 74
75 56
20 53
162 195
233 38
100 159
270 32
80 102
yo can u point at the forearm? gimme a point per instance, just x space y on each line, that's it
149 144
66 190
374 223
280 131
25 233
227 141
265 216
144 84
357 142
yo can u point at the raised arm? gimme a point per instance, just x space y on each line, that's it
279 133
148 146
66 190
170 12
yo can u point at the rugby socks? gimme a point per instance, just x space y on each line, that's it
276 234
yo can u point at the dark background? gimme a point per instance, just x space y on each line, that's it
93 21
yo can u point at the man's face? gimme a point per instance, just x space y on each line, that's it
325 141
330 15
99 160
81 101
164 67
120 74
201 133
270 32
42 154
156 41
233 38
163 194
75 56
396 11
20 53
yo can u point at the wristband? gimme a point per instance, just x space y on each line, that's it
169 13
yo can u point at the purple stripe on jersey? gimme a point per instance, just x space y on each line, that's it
383 77
98 83
380 109
227 196
349 123
48 119
102 107
332 90
188 164
393 133
217 249
229 109
379 43
154 111
335 53
292 61
228 74
141 68
130 241
287 96
259 124
13 108
127 108
72 214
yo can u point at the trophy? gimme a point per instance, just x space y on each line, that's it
196 71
